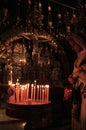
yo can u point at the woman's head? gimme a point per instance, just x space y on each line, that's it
76 43
75 46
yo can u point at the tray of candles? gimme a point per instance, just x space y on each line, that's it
28 100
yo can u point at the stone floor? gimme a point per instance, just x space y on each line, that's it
8 123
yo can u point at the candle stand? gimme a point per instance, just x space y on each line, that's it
41 114
37 109
36 115
31 104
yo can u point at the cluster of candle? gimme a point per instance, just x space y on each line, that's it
30 93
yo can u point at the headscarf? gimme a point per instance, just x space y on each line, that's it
75 39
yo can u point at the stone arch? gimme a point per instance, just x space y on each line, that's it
7 42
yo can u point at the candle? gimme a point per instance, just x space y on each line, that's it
17 90
37 92
32 91
22 93
40 92
11 76
47 92
17 95
43 93
27 91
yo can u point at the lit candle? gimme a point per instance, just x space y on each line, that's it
32 91
37 92
17 90
11 76
40 92
27 91
47 92
22 94
43 93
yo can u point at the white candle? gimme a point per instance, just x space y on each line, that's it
22 94
37 92
27 91
32 91
17 92
11 79
40 92
43 93
47 92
